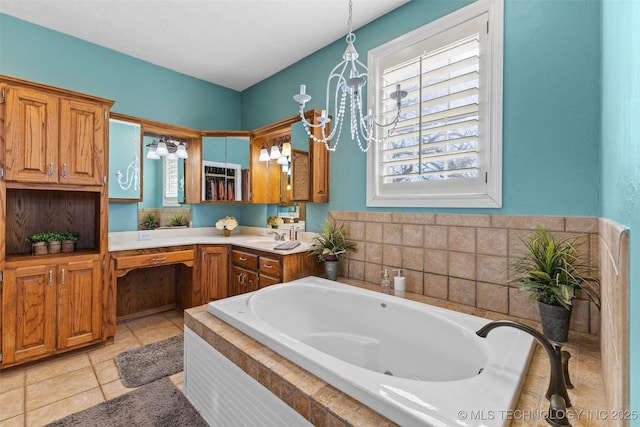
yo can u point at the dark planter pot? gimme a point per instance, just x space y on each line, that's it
331 269
555 321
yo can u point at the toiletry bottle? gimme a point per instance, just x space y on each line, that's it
385 283
398 282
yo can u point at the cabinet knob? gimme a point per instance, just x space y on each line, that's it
50 277
62 276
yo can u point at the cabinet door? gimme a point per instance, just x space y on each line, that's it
82 142
213 276
79 303
242 280
31 130
28 313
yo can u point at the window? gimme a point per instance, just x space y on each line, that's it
446 149
169 182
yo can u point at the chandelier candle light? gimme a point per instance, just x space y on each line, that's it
350 76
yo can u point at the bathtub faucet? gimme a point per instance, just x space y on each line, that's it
557 391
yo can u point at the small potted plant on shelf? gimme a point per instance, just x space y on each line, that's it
551 270
150 221
39 242
275 221
227 224
331 246
69 241
177 221
55 242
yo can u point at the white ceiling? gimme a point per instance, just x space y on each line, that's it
233 43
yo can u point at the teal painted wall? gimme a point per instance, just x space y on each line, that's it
621 148
551 116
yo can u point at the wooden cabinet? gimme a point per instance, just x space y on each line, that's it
48 308
53 138
252 269
213 283
53 155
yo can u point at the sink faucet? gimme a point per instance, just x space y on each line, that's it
557 391
278 236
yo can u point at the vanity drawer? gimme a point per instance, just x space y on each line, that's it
270 267
244 259
153 259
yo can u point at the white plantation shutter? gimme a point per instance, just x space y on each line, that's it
444 149
170 182
437 136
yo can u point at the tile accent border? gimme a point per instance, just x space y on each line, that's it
462 258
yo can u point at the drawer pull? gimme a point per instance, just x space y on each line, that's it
50 277
62 276
159 259
242 258
51 169
267 265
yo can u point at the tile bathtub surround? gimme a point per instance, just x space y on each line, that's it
462 258
466 261
614 315
324 405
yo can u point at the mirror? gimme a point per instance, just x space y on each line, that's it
164 179
225 168
124 161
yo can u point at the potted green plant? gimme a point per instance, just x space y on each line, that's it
177 221
150 221
55 242
69 241
331 246
552 270
39 242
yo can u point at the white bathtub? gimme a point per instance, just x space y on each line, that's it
414 363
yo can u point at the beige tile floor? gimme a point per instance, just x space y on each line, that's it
45 391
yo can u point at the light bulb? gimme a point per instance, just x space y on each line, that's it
286 149
264 155
152 154
182 152
162 149
275 152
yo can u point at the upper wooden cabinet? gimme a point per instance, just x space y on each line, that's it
53 136
309 164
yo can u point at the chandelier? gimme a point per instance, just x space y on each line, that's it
348 78
165 147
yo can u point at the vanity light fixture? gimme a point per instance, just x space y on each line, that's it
165 147
349 76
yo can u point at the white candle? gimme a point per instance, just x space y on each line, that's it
303 89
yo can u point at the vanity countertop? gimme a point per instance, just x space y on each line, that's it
248 237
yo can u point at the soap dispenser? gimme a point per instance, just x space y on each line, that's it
385 283
398 282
